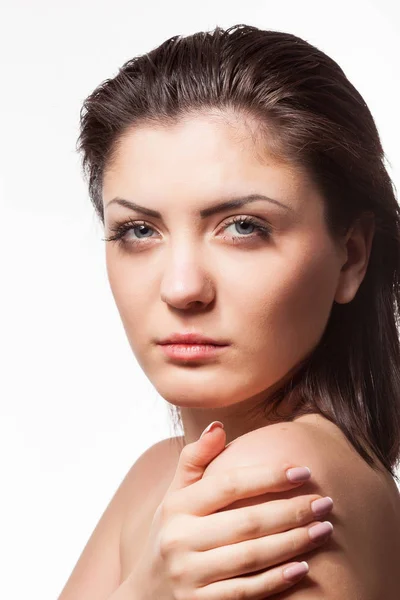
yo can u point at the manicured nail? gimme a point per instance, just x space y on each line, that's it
212 426
298 474
321 506
320 532
296 571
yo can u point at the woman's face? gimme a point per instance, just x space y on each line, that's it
268 296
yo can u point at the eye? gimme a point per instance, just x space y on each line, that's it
263 230
119 230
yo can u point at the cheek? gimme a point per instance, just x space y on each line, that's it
130 294
296 306
117 277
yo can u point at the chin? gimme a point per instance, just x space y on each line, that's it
192 397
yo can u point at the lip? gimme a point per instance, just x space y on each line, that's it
191 352
191 338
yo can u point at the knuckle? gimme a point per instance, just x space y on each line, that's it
177 569
230 484
249 560
250 523
169 541
295 542
189 457
187 450
302 512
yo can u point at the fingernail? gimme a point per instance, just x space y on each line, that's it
321 506
320 532
212 426
296 571
298 474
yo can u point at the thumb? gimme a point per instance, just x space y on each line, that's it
195 457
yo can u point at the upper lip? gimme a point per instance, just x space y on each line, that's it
191 338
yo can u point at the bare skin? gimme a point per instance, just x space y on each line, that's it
267 297
360 559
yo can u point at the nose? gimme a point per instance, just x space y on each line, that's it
185 282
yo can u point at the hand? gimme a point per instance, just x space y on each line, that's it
194 552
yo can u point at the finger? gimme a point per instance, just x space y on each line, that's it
256 587
254 555
214 492
195 457
252 522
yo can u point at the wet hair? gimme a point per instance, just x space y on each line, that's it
309 114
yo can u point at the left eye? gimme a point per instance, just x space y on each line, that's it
241 222
261 228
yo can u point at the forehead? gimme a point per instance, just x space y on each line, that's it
217 152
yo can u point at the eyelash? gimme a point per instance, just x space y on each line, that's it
120 229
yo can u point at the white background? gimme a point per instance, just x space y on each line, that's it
76 411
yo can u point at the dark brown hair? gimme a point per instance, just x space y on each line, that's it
310 114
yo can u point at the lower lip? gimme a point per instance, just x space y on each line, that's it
191 351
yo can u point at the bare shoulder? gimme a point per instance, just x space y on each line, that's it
146 485
154 464
98 571
149 476
361 558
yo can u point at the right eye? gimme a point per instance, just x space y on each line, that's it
119 231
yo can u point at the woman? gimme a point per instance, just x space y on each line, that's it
241 182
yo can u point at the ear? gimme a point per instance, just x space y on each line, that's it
357 249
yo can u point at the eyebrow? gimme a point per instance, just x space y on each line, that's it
205 212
